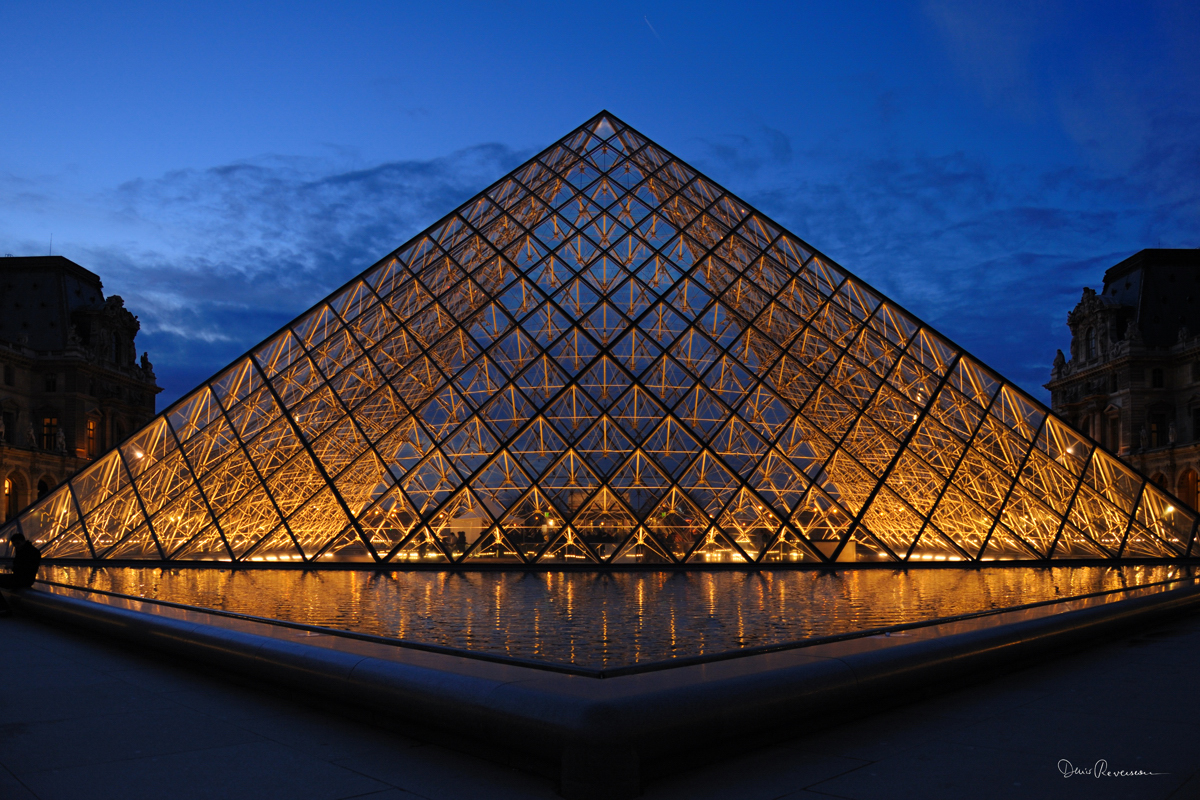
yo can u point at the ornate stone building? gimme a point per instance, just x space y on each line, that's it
71 385
1132 381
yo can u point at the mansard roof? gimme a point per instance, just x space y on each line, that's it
1162 289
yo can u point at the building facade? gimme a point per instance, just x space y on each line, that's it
71 385
1132 381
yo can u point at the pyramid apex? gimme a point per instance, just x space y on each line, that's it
604 124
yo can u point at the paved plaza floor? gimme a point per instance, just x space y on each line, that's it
84 719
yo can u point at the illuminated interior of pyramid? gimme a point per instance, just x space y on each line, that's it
606 358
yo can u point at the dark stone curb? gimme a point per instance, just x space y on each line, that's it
605 733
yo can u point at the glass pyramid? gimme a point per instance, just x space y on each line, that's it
606 358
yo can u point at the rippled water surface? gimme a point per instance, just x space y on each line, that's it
610 619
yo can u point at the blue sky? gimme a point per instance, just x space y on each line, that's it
223 166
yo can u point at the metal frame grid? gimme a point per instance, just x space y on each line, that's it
606 358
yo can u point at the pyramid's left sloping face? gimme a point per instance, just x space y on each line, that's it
606 358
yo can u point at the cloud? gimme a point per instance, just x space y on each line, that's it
991 44
214 260
993 257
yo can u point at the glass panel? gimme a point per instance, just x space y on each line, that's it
749 525
709 484
604 523
164 483
470 447
568 483
228 482
111 522
99 482
348 547
1170 524
210 447
531 523
294 483
1116 482
276 546
193 414
337 448
967 525
641 548
500 484
430 483
317 523
51 518
494 547
147 447
249 521
205 546
1032 521
1005 546
386 276
68 544
537 447
1074 543
914 481
568 548
236 383
277 354
892 522
137 546
1105 523
253 414
788 548
179 522
389 522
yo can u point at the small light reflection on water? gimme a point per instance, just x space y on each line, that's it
609 619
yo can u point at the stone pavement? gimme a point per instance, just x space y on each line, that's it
83 719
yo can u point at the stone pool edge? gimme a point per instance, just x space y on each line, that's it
605 735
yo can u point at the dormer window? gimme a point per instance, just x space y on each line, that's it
1091 344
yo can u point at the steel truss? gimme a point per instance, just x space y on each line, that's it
606 358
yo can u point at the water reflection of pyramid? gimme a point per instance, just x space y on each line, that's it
605 357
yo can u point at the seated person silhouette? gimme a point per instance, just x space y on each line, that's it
26 558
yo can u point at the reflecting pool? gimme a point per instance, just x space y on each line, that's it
606 620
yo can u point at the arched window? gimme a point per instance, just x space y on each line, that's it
43 489
1091 344
1187 487
10 499
1159 480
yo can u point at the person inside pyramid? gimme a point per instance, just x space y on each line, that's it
26 558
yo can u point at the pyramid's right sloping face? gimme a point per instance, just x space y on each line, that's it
606 358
